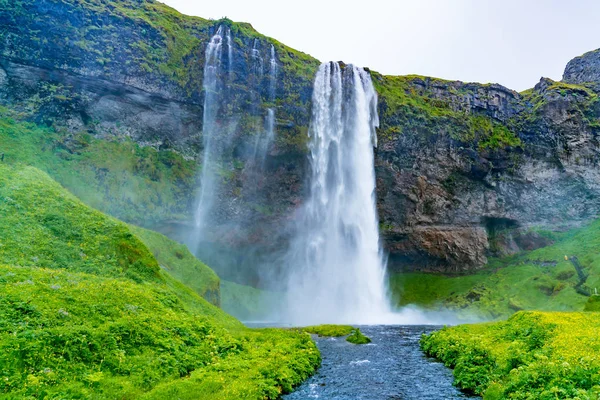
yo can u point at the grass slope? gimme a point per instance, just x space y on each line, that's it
536 280
118 177
177 260
246 302
86 312
532 355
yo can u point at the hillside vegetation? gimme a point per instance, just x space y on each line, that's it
532 355
542 279
86 311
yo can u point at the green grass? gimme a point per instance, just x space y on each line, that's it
247 303
329 330
86 311
407 107
118 177
177 260
354 335
536 280
45 226
357 337
532 355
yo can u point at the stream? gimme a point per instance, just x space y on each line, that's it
391 367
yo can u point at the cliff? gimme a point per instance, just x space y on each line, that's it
112 93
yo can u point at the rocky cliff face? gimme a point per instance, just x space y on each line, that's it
474 166
463 169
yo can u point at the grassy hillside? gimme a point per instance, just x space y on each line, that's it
247 303
536 280
533 355
115 176
177 260
45 226
86 311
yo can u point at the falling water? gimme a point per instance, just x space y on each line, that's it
258 64
229 54
212 88
264 138
273 69
270 120
338 272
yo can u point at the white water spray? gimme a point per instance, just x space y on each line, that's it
338 271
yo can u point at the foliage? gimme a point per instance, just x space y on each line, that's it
329 330
74 335
532 355
593 304
177 260
357 337
354 335
119 177
86 312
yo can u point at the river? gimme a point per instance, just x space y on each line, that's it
391 367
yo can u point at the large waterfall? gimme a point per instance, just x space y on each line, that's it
338 271
212 92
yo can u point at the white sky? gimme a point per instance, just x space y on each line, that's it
511 42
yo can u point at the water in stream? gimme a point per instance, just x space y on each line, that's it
391 367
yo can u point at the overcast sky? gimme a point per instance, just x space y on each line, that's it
511 42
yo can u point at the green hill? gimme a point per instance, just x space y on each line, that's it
87 312
541 279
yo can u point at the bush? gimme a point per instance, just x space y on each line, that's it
532 355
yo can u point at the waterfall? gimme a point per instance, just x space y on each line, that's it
229 55
212 95
270 120
266 136
273 69
257 57
338 271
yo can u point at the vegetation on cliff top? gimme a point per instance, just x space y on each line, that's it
86 311
532 355
410 104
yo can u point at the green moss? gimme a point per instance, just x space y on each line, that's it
407 105
356 337
329 330
593 304
532 355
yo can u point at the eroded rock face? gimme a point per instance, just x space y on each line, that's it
443 196
583 69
